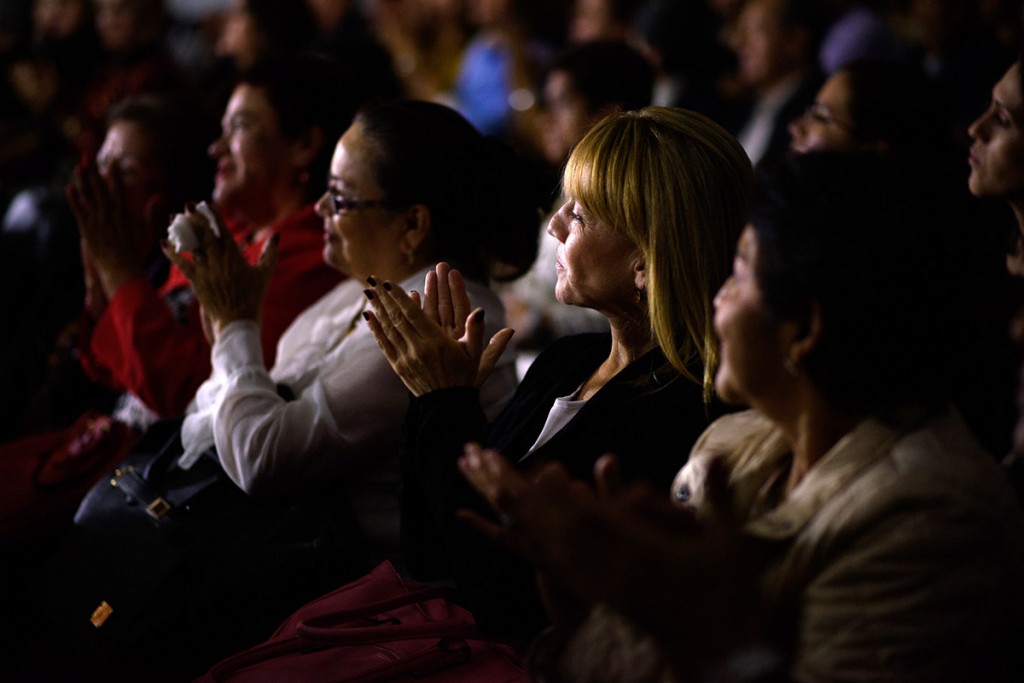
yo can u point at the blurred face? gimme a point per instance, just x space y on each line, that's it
239 37
567 117
596 266
361 237
826 125
127 148
56 19
253 156
750 346
593 20
767 51
122 24
997 143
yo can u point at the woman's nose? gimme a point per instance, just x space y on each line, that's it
322 207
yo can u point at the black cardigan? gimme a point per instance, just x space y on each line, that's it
647 415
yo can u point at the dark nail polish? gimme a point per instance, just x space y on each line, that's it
366 316
387 286
368 293
373 283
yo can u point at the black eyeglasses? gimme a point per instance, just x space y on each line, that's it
337 203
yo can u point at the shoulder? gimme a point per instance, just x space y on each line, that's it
746 440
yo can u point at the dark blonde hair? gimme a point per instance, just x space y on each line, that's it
678 185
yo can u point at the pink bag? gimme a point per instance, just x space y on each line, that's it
380 627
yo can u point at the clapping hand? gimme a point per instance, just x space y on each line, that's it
686 581
227 286
435 342
117 237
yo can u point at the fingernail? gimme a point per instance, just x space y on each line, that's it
276 238
387 286
366 316
373 283
368 293
479 315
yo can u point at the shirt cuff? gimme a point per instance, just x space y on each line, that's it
237 348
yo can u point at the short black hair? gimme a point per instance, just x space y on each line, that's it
858 238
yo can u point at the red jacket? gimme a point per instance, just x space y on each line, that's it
138 344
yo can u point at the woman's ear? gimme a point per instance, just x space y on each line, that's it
417 231
640 272
806 336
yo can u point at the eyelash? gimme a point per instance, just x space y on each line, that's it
577 218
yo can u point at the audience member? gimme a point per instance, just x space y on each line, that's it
407 184
585 83
894 110
44 77
776 44
500 65
136 61
610 20
343 34
959 53
857 32
679 39
144 337
836 530
649 268
426 41
997 147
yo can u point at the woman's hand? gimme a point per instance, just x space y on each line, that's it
118 237
436 343
684 581
227 286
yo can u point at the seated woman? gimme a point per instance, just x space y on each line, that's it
140 332
997 172
894 110
408 184
849 522
653 199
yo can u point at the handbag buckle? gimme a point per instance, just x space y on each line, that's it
158 508
100 614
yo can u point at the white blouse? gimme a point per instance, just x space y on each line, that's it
344 421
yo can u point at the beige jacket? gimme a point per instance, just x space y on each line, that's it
902 553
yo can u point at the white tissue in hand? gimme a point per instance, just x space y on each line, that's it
182 235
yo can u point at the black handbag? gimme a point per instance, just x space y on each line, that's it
169 570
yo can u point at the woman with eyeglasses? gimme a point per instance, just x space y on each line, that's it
410 183
655 198
883 107
894 110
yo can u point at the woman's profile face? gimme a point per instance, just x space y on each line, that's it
361 236
252 155
997 143
825 125
751 352
596 266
